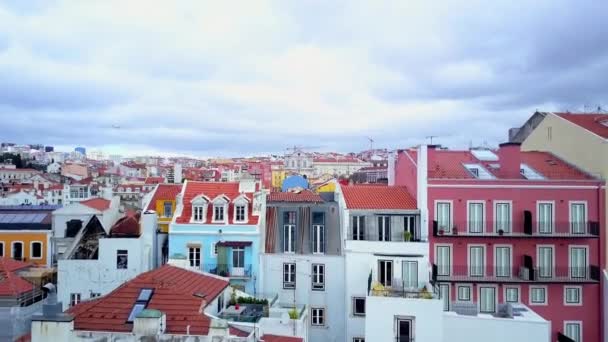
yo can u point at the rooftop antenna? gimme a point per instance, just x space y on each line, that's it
430 137
371 143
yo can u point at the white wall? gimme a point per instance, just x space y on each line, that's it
427 314
488 328
332 299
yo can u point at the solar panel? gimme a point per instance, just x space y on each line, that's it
12 218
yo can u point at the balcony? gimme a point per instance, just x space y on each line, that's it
522 229
228 271
394 236
417 291
516 274
589 274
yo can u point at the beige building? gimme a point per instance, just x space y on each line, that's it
581 139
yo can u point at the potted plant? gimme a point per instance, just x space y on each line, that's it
293 313
501 232
425 294
407 236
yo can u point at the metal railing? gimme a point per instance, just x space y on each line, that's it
228 270
420 291
516 273
393 236
478 273
569 274
525 228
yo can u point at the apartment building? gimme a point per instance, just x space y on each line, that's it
508 226
303 260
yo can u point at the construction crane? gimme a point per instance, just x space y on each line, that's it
371 143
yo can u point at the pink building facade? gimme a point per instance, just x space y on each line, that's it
510 226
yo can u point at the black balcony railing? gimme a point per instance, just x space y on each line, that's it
566 274
515 274
521 229
394 236
229 271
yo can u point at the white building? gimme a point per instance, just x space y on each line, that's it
128 250
299 162
53 168
337 166
21 198
9 175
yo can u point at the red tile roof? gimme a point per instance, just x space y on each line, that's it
126 226
238 332
446 164
12 284
591 122
100 204
378 197
212 190
304 196
154 180
164 192
279 338
177 293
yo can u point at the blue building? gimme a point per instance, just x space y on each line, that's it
82 150
217 229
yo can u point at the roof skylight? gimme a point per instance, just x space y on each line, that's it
529 173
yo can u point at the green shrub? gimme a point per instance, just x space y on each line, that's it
251 300
293 313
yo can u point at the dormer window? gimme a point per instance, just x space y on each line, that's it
218 212
198 213
199 208
241 208
220 204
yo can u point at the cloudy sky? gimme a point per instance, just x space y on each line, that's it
210 78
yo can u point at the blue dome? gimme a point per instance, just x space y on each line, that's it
294 182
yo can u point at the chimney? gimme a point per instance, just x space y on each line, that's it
148 224
509 155
391 167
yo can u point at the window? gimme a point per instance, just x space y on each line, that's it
444 216
218 213
220 303
74 298
405 330
545 217
318 233
95 294
358 339
464 293
384 228
238 257
289 276
140 304
502 217
578 262
358 306
122 259
167 209
538 295
385 272
318 277
502 263
36 250
17 250
549 133
194 256
578 217
1 249
198 213
476 261
511 294
443 259
240 211
289 232
410 274
474 171
487 299
573 329
545 261
318 316
409 225
476 216
572 295
358 228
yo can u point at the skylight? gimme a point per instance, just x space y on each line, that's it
485 155
140 304
529 173
479 171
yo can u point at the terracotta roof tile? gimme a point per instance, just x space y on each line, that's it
174 295
304 196
100 204
279 338
238 332
378 197
12 284
591 122
126 226
167 192
154 180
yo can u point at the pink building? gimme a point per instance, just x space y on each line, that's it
512 226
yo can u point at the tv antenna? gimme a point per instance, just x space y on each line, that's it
430 137
371 143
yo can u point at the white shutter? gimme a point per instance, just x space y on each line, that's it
443 260
410 274
476 262
545 262
578 262
503 262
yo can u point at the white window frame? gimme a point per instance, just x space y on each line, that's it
236 208
510 223
580 325
291 272
320 315
383 229
13 249
222 206
484 261
571 267
511 287
213 250
451 215
386 262
538 266
483 216
361 229
320 244
538 203
479 288
585 216
580 295
446 299
75 298
32 250
530 291
318 273
353 311
510 268
468 286
200 261
287 238
451 258
202 204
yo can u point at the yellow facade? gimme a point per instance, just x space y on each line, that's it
11 240
278 176
163 221
327 187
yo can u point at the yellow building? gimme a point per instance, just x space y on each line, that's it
327 186
163 201
278 176
25 233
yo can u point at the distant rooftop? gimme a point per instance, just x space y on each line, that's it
596 123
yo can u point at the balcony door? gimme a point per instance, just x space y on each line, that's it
578 262
545 261
405 329
238 261
385 272
410 274
477 261
384 228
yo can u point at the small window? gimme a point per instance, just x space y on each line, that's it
573 329
464 293
168 209
74 299
289 276
318 316
474 171
218 213
358 306
318 277
572 295
122 259
95 294
36 251
358 339
194 256
198 213
240 213
511 294
538 295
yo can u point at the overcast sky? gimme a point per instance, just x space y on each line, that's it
249 77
